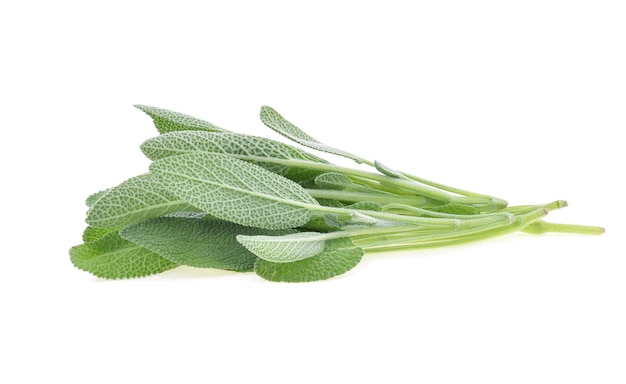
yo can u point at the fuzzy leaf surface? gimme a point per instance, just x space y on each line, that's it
170 121
338 257
284 249
196 242
177 143
138 198
278 123
91 199
333 180
235 190
111 257
91 234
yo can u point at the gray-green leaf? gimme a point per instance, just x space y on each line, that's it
138 198
338 257
286 248
234 190
196 242
275 121
111 257
91 199
177 143
170 121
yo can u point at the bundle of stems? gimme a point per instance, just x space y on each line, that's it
217 199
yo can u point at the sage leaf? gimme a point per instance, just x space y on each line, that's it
91 199
234 190
176 143
278 123
338 257
170 121
285 249
111 257
139 198
91 234
388 171
196 242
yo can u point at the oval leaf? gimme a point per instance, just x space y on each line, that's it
235 190
170 121
136 199
338 257
284 249
196 242
111 257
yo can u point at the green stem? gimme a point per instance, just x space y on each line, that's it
544 227
382 198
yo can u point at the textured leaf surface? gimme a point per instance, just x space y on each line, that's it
366 206
338 257
275 121
177 143
170 121
333 180
112 257
235 190
91 199
284 249
196 242
92 234
138 198
387 171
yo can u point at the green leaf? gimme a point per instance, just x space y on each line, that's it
366 206
286 248
170 121
177 143
91 200
338 257
196 242
388 171
136 199
91 234
235 190
111 257
333 180
275 121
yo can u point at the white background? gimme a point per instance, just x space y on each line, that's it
523 100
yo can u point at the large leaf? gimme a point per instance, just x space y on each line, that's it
136 199
338 257
234 190
112 257
176 143
278 123
170 121
196 242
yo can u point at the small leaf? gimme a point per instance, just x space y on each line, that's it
338 257
136 199
366 206
170 121
111 257
235 190
196 242
388 171
332 220
275 121
284 249
91 234
333 180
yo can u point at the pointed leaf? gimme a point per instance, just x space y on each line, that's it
196 242
388 171
91 199
176 143
170 121
275 121
285 249
235 190
112 257
333 180
138 198
91 234
338 257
